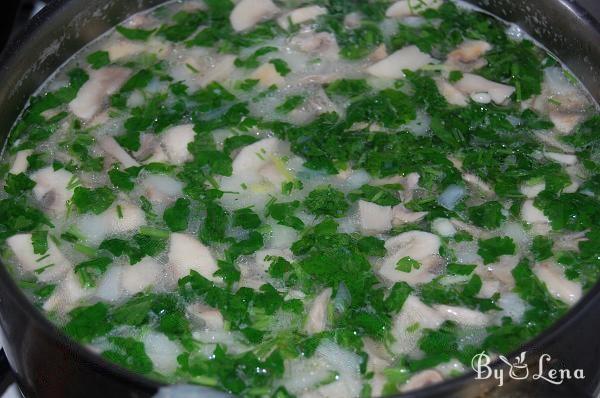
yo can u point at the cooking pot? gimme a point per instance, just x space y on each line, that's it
46 363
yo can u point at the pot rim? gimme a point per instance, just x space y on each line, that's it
103 366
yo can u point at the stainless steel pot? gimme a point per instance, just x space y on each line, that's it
46 363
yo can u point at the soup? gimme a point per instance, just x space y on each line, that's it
305 199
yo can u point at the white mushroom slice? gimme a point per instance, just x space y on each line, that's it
409 57
175 143
138 277
404 8
322 43
20 164
208 317
162 351
187 253
67 294
422 379
316 320
418 245
248 13
533 215
558 285
52 188
471 83
563 158
300 15
453 95
119 218
469 51
160 188
267 75
49 266
443 227
112 147
462 315
220 71
414 313
374 219
532 190
401 215
93 93
565 122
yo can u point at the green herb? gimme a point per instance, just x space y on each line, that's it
406 264
455 76
284 214
129 353
460 269
176 216
98 59
94 201
18 184
326 201
246 219
491 249
350 88
87 323
90 271
488 215
382 195
135 34
541 248
39 240
280 66
291 103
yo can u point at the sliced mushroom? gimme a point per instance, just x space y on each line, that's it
112 147
565 122
374 218
50 266
138 277
404 8
161 188
469 51
558 285
123 48
20 163
187 253
248 13
316 320
52 188
92 95
67 294
471 83
300 15
409 57
408 324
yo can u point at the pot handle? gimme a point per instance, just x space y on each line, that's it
6 374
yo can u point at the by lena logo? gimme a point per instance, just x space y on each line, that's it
519 369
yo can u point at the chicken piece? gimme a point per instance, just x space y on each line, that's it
405 8
300 15
374 219
92 95
414 312
558 285
175 142
453 95
420 246
267 75
562 158
220 71
50 266
53 189
112 147
565 122
119 218
138 277
422 379
409 57
20 163
67 294
462 315
443 227
207 317
401 215
469 51
187 253
159 188
471 83
316 320
322 44
248 13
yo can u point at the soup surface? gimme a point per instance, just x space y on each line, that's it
305 199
